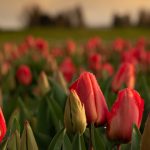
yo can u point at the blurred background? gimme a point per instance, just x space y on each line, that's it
96 17
17 14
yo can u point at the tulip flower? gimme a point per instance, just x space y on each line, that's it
107 69
119 44
125 75
30 41
24 75
126 111
68 69
41 44
74 117
92 97
95 62
93 43
70 47
2 125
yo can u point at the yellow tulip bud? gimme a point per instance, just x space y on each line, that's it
74 117
43 83
61 80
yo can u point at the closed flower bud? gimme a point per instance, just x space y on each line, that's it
125 75
74 117
27 139
126 111
61 80
95 62
43 83
91 96
68 69
24 75
2 126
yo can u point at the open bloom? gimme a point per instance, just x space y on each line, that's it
125 75
24 75
126 111
92 97
2 126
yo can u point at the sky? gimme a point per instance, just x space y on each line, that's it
95 12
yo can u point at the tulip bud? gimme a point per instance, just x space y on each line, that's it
27 140
92 97
95 62
125 75
126 111
61 80
68 69
74 117
14 141
70 47
24 75
2 126
43 83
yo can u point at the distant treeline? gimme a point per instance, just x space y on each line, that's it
34 16
143 20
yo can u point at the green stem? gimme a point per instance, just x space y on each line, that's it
90 139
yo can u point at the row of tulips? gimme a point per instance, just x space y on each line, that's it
36 79
126 111
86 105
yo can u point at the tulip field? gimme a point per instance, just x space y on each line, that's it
89 90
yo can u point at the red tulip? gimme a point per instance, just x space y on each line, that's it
2 125
120 44
56 52
95 62
126 111
108 68
24 75
70 47
125 75
41 44
30 41
92 97
68 69
128 56
141 42
93 43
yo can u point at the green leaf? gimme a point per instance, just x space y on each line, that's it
82 143
136 138
77 142
42 140
14 141
15 126
27 140
145 141
67 143
24 109
14 119
3 145
43 117
56 114
57 141
97 140
58 94
125 146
